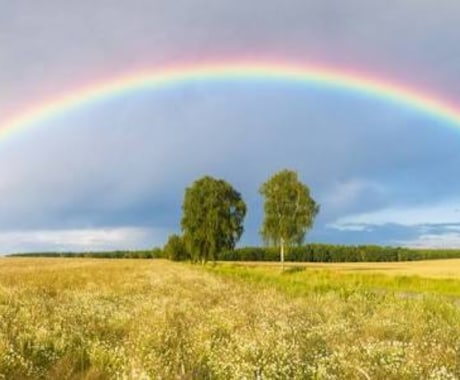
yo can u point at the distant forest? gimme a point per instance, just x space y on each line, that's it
305 253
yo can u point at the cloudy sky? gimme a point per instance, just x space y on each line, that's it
112 174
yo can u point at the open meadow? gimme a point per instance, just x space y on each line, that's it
155 319
424 268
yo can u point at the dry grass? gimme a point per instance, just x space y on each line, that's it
449 268
152 319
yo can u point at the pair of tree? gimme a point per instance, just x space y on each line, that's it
213 215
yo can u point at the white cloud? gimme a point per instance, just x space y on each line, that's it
351 227
442 213
455 228
80 239
442 240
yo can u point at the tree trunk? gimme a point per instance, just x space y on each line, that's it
282 254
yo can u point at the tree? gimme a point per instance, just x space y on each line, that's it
289 211
175 248
212 218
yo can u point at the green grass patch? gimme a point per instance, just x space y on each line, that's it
300 281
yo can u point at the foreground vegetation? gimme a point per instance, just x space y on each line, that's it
140 319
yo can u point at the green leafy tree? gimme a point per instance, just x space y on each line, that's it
289 211
212 218
175 248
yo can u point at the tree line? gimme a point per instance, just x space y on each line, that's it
306 253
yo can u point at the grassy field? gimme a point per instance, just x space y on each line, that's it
142 319
430 268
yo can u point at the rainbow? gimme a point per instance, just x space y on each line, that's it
286 72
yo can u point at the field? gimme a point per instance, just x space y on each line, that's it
142 319
429 268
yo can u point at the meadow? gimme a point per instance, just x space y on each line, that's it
154 319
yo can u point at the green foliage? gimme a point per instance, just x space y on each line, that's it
212 219
338 253
155 253
305 253
175 249
289 210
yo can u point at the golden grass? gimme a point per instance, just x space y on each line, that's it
153 319
448 268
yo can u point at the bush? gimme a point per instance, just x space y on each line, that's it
175 249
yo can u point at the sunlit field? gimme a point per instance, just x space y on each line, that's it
430 268
142 319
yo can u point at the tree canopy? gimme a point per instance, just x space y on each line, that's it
289 210
212 218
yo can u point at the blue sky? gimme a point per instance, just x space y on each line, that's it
111 175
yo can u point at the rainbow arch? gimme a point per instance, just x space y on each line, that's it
288 72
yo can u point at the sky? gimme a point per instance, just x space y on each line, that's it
111 174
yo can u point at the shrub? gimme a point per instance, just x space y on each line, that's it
175 249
